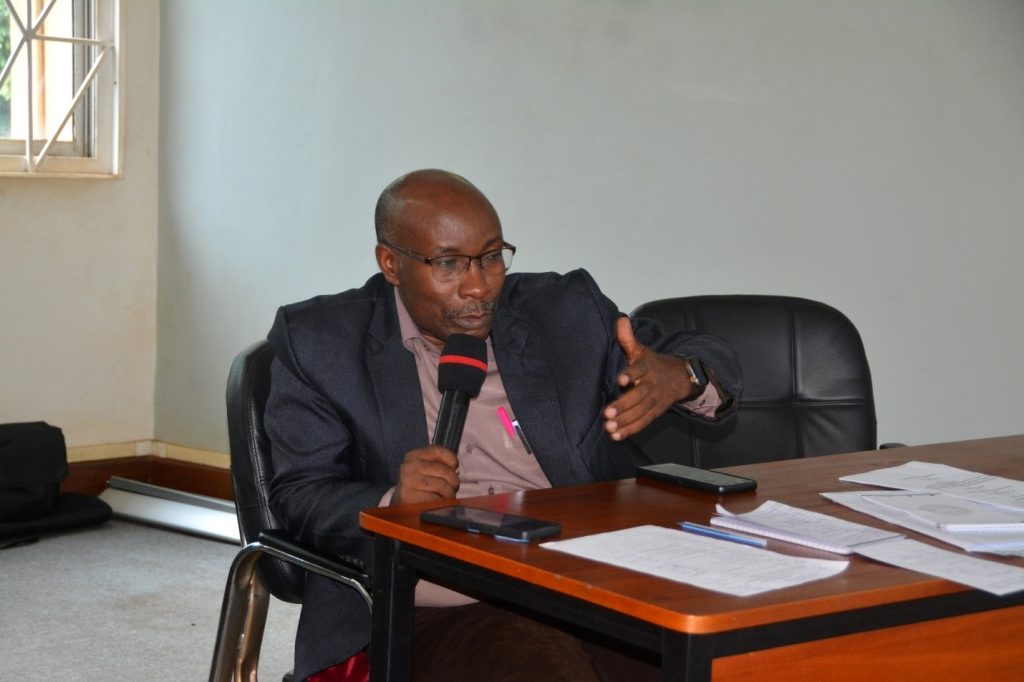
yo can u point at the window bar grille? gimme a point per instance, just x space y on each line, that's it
30 31
86 82
30 126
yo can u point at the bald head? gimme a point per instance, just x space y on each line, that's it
423 217
419 192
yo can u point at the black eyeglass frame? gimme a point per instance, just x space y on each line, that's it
429 260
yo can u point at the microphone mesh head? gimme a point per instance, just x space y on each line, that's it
463 365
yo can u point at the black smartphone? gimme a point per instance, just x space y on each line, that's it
505 526
708 480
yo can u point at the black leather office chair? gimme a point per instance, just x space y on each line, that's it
269 563
806 383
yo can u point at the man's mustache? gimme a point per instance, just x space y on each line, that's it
486 308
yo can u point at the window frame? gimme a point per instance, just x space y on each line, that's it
97 147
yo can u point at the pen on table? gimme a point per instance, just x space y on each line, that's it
708 531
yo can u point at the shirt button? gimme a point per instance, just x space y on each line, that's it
490 490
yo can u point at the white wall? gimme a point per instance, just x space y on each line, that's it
867 154
78 278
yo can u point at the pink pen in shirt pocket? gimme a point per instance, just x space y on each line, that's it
506 422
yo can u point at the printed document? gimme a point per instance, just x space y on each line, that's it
947 512
940 478
980 574
1006 544
704 562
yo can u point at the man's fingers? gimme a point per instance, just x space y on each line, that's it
423 473
434 482
427 473
418 486
651 384
633 374
433 453
624 334
425 469
631 413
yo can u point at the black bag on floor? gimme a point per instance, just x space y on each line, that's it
33 462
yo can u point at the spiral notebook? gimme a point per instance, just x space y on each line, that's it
791 524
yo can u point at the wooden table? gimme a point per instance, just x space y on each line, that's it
871 622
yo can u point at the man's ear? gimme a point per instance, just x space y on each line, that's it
388 264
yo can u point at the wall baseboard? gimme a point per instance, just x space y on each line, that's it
90 477
139 448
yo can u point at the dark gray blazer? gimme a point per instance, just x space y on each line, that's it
345 406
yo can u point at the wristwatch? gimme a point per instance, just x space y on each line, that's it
695 371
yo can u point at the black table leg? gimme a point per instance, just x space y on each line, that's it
393 600
685 658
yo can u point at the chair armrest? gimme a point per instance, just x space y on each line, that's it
886 446
244 609
277 543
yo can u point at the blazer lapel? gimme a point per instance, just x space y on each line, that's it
523 361
401 420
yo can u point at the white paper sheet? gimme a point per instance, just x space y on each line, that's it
949 512
704 562
791 524
1005 544
940 478
917 556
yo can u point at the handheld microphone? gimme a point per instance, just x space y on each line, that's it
460 375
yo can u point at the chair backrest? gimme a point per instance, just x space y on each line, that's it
251 466
806 383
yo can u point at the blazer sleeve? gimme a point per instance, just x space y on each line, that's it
572 314
715 353
317 490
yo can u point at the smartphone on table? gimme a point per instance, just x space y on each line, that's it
707 480
488 522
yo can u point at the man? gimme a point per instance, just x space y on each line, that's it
354 401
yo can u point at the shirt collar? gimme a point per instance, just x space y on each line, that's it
411 334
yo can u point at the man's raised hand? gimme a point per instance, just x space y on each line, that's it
652 382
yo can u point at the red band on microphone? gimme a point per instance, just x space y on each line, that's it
463 360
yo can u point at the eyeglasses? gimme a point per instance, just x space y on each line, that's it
454 266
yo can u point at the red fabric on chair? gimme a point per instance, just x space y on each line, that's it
354 669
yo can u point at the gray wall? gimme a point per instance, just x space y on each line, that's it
867 154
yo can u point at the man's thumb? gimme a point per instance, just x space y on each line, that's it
624 333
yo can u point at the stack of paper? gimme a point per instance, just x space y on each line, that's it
1003 543
947 512
940 478
973 511
803 527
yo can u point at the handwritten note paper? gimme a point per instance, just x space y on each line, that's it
695 560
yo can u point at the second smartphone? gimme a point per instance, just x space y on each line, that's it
708 480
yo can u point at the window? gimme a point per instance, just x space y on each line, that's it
59 99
